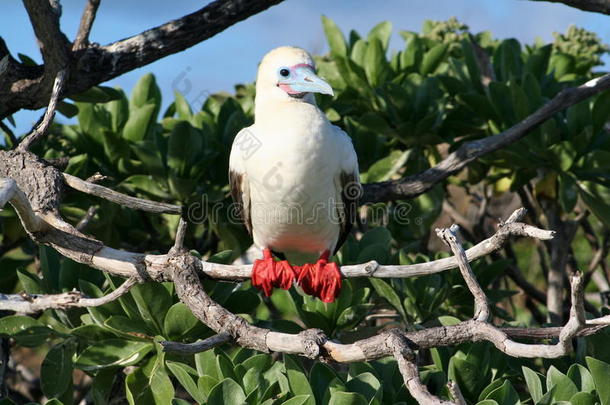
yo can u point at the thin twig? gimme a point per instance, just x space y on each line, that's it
451 238
86 22
84 222
119 198
180 233
407 366
49 114
32 303
456 393
196 347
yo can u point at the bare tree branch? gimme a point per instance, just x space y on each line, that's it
47 119
127 264
451 238
23 87
121 199
197 347
86 23
595 6
86 219
407 365
54 45
415 185
31 303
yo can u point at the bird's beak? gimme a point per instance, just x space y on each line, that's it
305 80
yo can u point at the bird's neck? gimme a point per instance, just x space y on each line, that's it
268 110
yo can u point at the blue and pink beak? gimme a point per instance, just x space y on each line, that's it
300 79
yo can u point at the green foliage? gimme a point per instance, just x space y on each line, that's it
405 110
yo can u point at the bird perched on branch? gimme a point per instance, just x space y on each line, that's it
294 177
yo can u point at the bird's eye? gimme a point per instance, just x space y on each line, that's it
284 72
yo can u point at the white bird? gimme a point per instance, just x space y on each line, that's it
294 177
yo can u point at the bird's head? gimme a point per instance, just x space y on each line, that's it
289 73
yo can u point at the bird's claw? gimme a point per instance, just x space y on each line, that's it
267 274
321 279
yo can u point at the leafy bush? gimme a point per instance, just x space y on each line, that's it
404 112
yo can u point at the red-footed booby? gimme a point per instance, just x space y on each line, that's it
294 177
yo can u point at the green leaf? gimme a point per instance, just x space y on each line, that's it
180 371
102 386
382 32
50 266
226 392
600 372
581 377
146 91
68 110
505 395
366 384
386 167
184 143
534 383
596 197
119 111
30 282
334 36
583 398
565 388
25 330
160 383
97 94
299 400
205 384
347 398
112 352
179 320
466 374
56 370
432 59
153 301
320 377
601 111
137 385
297 379
182 106
386 291
376 66
138 123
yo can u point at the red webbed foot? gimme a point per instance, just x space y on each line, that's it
267 273
321 279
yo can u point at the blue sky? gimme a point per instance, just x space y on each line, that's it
232 56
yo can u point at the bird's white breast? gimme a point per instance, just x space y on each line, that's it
293 181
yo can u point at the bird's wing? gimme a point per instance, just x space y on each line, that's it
349 186
238 179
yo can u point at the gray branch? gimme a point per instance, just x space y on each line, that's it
451 238
32 303
41 129
86 23
412 186
119 198
22 87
